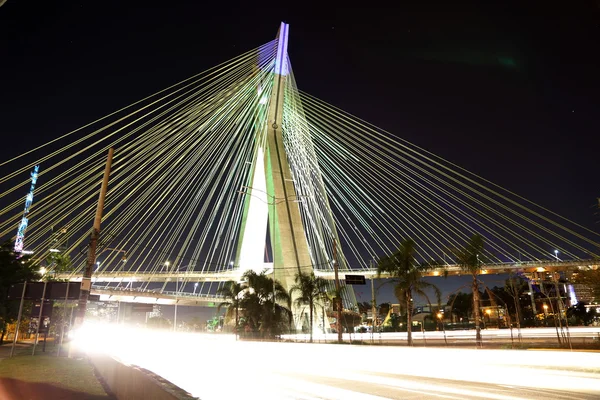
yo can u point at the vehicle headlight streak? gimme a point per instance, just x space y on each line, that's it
204 364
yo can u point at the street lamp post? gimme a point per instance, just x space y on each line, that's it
545 314
440 316
167 264
422 331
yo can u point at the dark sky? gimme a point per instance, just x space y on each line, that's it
510 93
507 92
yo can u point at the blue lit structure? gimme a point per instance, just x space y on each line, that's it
24 221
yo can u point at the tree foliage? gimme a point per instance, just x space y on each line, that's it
262 305
232 291
311 292
581 315
14 268
58 263
259 300
469 259
407 276
590 278
461 304
159 323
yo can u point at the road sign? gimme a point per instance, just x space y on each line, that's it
54 290
46 311
355 280
59 290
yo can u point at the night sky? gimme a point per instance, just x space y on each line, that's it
510 93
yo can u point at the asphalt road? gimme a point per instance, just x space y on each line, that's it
218 367
323 371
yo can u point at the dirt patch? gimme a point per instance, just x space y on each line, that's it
15 389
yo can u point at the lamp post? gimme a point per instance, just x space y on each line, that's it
167 264
545 314
556 255
195 287
421 323
489 315
440 316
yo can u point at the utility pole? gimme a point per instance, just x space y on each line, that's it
37 330
86 281
14 343
176 299
338 298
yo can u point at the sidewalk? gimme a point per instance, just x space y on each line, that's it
45 376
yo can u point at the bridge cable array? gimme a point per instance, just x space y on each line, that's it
182 155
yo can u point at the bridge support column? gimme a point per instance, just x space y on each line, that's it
288 239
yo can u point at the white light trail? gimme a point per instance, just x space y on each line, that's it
206 365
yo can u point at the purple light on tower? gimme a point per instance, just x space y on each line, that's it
281 65
24 221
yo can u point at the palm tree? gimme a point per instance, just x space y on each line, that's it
407 274
311 289
231 291
469 259
262 304
15 268
58 263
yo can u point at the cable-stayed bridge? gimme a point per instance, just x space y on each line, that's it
236 167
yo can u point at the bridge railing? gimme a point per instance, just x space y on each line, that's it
156 291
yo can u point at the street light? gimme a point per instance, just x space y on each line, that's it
195 287
556 255
545 314
440 316
167 263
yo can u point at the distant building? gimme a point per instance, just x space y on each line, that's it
582 293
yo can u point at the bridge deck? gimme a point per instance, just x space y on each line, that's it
198 276
156 297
